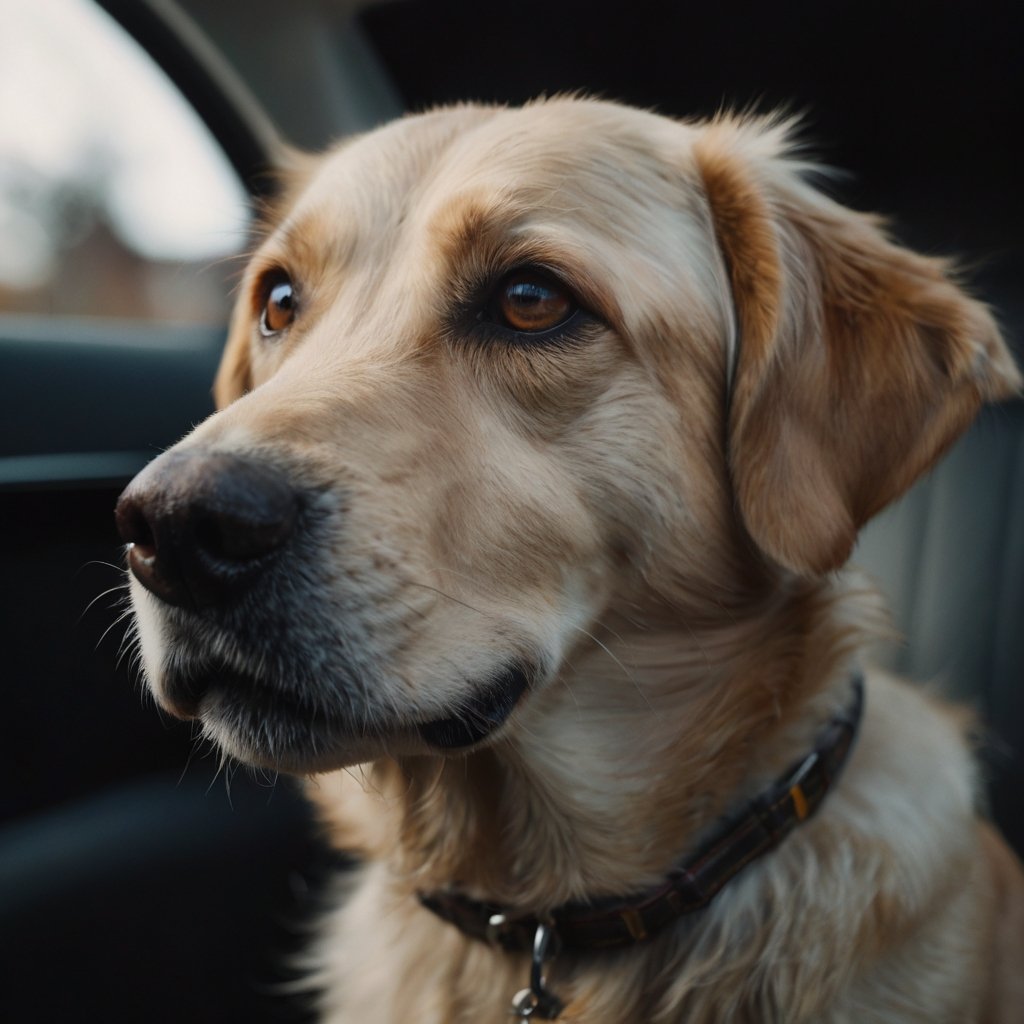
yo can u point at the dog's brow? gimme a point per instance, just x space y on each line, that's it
309 243
465 224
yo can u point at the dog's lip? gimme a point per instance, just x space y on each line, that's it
261 722
484 713
218 694
188 694
200 690
181 696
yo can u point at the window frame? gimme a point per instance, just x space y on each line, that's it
85 403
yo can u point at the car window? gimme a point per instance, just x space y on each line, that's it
115 201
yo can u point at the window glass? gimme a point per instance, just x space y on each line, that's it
115 201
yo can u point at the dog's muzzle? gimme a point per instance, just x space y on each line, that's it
231 549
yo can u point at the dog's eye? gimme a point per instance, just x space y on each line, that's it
530 302
279 303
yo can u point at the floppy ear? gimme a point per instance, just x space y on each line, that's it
234 376
859 362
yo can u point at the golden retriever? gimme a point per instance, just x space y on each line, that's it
543 436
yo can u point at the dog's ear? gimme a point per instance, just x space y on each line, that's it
858 362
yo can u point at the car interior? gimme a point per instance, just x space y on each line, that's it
140 877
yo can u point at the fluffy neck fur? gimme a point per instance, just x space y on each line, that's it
651 733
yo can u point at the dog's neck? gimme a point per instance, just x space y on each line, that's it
620 766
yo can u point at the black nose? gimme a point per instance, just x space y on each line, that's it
203 526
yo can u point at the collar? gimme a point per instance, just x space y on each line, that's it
745 834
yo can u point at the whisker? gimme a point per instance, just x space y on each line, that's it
441 593
618 661
188 759
100 562
124 615
99 597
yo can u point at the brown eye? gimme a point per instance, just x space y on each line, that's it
531 303
278 304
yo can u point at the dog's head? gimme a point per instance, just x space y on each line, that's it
494 373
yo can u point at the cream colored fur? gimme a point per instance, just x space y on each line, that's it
658 510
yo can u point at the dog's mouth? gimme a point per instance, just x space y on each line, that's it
301 730
484 713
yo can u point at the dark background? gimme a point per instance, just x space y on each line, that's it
919 103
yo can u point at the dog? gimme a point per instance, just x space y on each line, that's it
544 435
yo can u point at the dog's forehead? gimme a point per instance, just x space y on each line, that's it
562 141
528 156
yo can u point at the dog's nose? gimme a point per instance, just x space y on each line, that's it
203 526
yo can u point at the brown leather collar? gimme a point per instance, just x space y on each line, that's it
744 835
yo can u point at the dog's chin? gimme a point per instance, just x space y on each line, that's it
272 727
